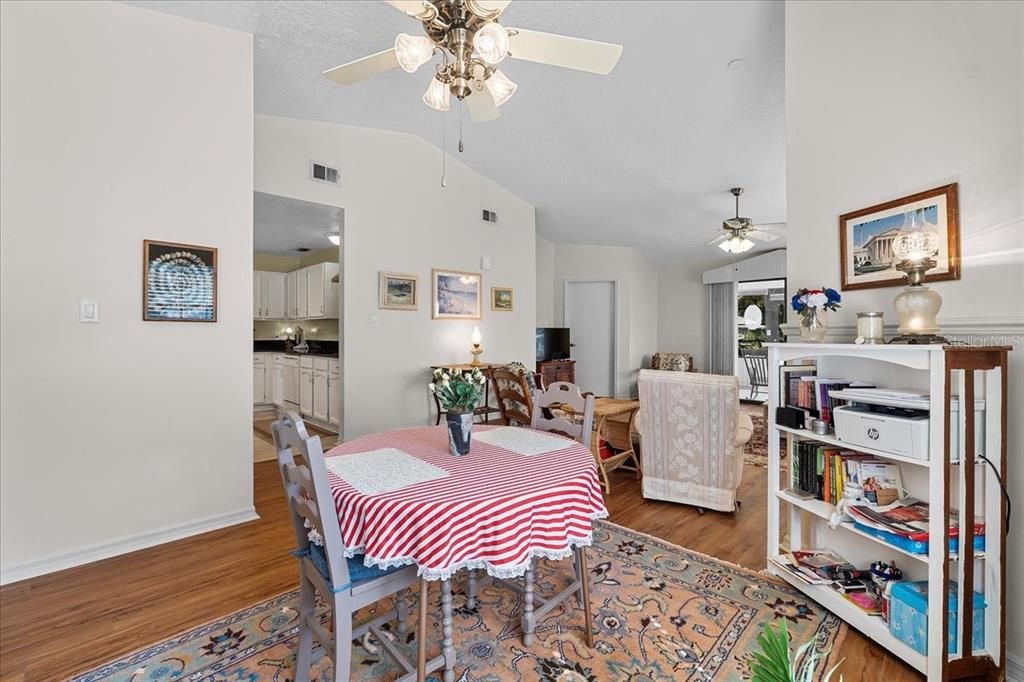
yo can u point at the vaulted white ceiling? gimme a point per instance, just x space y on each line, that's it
643 157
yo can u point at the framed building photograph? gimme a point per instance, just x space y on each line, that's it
398 291
501 299
179 282
456 295
866 238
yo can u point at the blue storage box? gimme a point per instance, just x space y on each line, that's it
916 546
908 616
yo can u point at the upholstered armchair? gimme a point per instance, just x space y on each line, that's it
693 435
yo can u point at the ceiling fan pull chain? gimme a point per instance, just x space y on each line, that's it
461 149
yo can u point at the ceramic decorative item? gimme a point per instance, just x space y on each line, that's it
460 432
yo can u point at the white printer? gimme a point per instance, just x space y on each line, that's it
897 421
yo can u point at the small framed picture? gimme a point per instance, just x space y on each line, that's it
501 299
866 237
456 295
399 291
179 282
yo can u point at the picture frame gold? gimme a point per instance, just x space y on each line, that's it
398 291
865 260
457 295
502 299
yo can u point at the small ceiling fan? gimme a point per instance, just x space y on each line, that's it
738 232
471 43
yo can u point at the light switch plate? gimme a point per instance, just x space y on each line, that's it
89 311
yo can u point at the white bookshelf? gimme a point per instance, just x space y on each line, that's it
799 523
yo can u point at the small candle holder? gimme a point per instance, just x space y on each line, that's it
870 328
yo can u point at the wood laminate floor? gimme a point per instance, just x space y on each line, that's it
68 622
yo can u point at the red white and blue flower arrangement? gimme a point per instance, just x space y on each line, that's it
808 302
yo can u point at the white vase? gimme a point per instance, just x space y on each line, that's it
813 325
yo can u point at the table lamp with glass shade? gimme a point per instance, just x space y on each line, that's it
915 247
476 350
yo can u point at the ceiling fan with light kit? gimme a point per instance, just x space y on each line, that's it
737 232
471 43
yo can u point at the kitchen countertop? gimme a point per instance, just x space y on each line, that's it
331 356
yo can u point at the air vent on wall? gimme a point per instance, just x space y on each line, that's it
322 173
490 216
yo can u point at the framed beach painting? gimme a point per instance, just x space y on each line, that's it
501 299
866 238
398 291
456 295
179 282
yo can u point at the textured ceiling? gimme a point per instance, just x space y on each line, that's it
282 225
643 157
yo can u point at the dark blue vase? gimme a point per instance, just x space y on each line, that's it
460 430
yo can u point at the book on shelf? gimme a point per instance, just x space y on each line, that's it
825 471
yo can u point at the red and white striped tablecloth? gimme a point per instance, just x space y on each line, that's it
495 510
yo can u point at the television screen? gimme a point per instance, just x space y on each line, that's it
552 343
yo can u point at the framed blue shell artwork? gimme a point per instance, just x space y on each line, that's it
179 282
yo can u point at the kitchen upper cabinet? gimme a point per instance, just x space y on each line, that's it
301 307
306 391
322 291
269 295
321 396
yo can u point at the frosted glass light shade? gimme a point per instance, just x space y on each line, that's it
476 336
500 87
412 52
915 241
334 238
736 244
437 96
491 43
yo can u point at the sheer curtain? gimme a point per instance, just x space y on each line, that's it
722 310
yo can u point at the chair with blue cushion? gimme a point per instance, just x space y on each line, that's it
347 585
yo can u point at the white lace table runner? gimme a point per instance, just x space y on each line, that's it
523 441
382 471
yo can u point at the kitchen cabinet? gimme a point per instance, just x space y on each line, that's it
321 396
306 391
259 379
277 381
334 395
322 291
269 295
290 381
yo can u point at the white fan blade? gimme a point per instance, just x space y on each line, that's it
760 236
353 72
569 53
771 227
490 9
417 9
718 240
481 106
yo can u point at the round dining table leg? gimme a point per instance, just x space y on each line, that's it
528 623
421 635
447 647
471 590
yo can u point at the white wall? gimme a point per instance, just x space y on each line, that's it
545 282
637 304
398 218
119 124
887 99
683 312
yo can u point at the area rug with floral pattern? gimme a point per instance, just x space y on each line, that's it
661 612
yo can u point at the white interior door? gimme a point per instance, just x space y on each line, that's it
590 316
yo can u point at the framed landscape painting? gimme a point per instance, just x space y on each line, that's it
399 291
179 282
456 295
866 239
501 299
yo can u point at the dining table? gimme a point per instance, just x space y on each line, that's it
518 495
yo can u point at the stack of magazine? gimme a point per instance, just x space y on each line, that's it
904 523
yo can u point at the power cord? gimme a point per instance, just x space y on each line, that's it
1002 487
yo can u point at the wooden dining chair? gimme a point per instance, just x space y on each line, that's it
515 396
346 585
547 415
